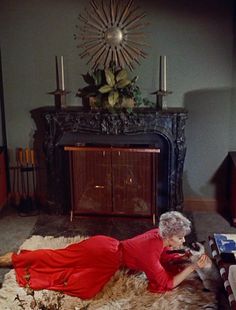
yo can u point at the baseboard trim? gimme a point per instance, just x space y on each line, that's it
209 205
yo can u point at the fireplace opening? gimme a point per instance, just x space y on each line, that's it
111 180
151 141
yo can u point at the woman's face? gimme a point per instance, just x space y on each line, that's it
176 241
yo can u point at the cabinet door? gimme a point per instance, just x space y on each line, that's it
133 183
91 173
232 185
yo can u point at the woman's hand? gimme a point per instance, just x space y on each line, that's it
202 262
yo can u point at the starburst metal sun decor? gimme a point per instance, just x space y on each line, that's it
112 31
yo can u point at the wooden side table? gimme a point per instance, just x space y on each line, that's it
224 271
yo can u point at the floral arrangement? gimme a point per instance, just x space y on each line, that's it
111 89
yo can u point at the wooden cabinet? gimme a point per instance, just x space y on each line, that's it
232 185
3 182
113 181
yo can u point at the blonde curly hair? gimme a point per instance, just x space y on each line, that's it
173 223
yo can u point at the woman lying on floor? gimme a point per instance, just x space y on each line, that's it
82 269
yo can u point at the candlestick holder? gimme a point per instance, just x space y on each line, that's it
161 102
59 98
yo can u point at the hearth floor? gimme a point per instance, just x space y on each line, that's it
14 229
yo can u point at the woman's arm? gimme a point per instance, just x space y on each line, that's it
180 277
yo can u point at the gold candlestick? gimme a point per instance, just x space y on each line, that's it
161 100
60 92
59 98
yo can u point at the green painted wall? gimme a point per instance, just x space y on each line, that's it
197 38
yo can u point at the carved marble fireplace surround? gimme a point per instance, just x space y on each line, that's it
145 127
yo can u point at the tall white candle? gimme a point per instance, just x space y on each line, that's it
57 74
62 74
160 73
164 73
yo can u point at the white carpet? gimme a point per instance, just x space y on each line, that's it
122 292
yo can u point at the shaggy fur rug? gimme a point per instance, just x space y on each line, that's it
122 292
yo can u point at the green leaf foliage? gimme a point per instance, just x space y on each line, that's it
122 83
88 78
111 88
110 78
98 77
122 75
105 89
134 80
113 98
87 91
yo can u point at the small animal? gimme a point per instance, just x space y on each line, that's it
209 275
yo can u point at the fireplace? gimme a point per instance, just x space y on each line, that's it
144 128
113 180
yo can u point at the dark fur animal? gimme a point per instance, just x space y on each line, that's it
209 275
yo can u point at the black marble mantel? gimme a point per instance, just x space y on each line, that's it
73 126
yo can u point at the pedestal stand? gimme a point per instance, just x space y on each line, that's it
161 102
60 98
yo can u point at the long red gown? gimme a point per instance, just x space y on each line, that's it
82 269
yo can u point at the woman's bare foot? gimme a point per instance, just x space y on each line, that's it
5 260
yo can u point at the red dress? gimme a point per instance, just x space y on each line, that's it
82 269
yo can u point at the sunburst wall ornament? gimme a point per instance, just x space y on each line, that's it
112 31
